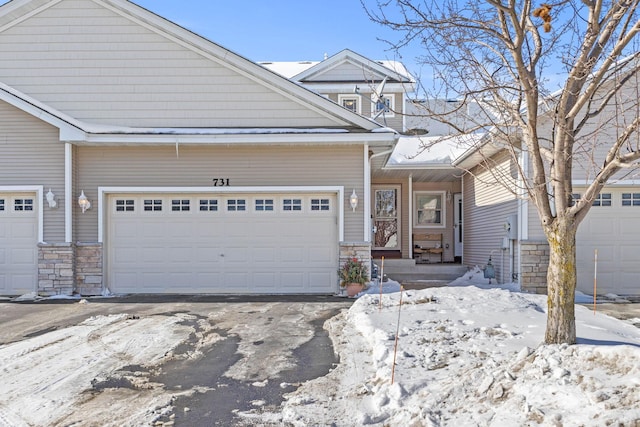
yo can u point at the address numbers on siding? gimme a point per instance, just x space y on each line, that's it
221 182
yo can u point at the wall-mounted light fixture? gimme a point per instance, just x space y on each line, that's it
84 203
448 196
353 200
51 199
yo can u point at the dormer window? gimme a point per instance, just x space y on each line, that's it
350 102
385 105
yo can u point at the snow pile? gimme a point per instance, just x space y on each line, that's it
471 356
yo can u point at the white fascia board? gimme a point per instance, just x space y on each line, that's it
104 191
363 87
39 190
375 138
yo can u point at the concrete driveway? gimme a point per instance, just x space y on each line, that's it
159 360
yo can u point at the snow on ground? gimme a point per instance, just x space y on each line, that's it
468 356
44 379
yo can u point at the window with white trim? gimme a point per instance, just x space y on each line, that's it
23 205
385 105
575 197
236 205
350 102
154 205
264 205
208 205
180 205
429 209
630 199
290 205
127 205
603 199
320 205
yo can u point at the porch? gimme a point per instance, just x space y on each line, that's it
420 276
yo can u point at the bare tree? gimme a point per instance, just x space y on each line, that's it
561 83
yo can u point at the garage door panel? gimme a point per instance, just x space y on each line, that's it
18 243
222 251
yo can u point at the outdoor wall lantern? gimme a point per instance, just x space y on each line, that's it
353 200
84 202
51 199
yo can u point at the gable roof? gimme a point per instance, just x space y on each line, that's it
17 11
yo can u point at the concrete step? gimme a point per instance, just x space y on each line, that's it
419 276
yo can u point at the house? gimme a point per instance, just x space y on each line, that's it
431 181
138 157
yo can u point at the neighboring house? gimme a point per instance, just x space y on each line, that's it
431 181
136 156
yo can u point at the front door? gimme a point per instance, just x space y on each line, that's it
457 225
386 218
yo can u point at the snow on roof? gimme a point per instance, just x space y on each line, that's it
417 151
293 68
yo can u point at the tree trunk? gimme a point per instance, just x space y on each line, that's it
561 282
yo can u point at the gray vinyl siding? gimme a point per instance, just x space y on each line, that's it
159 166
394 122
486 207
31 154
101 67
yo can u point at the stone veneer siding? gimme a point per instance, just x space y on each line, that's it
89 268
56 269
534 265
67 268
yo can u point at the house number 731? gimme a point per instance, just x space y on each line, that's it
220 182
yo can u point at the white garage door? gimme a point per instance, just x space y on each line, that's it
231 243
613 228
18 243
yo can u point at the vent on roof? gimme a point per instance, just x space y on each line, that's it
305 62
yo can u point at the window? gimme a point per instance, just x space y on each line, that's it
152 205
210 205
236 205
350 102
292 205
429 209
384 104
603 199
263 205
125 205
630 199
1 205
575 197
23 205
180 205
319 204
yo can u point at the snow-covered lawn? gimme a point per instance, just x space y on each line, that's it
471 357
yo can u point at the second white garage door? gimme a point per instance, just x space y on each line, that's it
611 227
203 243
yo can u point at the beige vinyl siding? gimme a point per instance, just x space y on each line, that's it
104 68
31 154
535 226
486 207
196 166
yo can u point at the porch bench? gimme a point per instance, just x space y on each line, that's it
427 245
